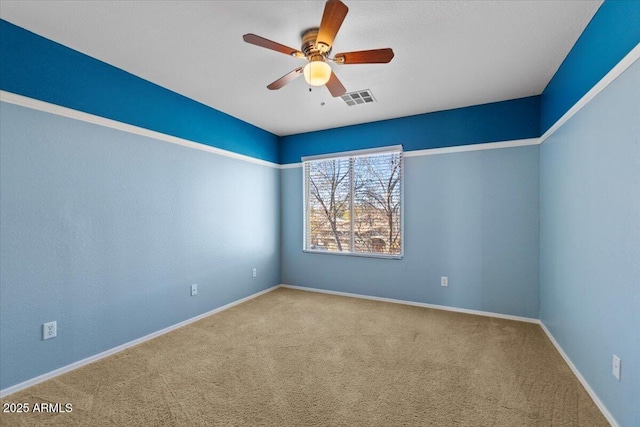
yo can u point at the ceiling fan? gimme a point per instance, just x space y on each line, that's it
316 46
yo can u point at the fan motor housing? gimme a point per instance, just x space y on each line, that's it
309 44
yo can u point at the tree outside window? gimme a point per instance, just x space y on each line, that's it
353 204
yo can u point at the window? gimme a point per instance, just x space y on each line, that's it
353 203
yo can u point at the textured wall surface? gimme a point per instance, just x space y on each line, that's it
471 216
104 231
590 242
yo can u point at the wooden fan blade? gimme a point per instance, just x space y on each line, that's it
375 56
334 86
266 43
287 78
334 13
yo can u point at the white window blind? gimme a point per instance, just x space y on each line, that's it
353 203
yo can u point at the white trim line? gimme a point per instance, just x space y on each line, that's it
447 150
33 381
473 147
47 107
35 104
291 166
583 381
613 74
417 304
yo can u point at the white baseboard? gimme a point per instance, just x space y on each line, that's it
75 365
583 381
418 304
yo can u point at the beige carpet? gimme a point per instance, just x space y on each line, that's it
294 358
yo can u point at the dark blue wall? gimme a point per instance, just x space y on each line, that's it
498 121
42 69
39 68
611 34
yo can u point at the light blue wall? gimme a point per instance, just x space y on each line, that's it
471 216
590 242
104 231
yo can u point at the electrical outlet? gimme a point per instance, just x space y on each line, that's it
254 272
194 289
444 281
616 367
49 330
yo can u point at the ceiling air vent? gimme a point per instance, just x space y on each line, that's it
358 97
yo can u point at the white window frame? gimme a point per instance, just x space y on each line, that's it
351 154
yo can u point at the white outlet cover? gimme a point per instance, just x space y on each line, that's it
254 272
444 281
49 330
194 289
616 367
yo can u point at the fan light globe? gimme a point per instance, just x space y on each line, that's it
317 73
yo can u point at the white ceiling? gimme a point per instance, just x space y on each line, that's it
448 54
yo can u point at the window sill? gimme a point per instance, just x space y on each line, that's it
354 254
